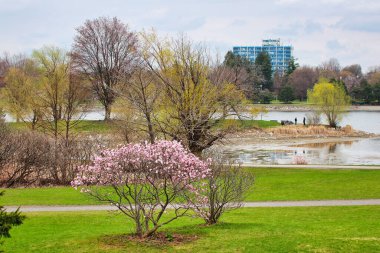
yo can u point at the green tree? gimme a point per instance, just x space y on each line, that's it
293 65
286 94
53 64
263 62
376 92
330 99
8 220
363 93
236 61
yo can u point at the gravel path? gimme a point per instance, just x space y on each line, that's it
306 203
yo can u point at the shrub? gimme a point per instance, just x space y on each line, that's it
143 181
299 160
222 190
8 220
23 157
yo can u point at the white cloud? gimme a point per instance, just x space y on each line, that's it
311 26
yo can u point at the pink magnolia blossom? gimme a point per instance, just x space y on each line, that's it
142 163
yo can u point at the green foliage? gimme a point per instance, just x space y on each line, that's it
263 62
265 97
81 126
236 61
376 92
363 93
8 220
286 94
293 65
330 99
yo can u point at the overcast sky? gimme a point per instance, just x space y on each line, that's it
348 30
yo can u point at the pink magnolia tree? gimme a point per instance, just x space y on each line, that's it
143 181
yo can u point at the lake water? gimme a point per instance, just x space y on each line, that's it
359 120
360 152
366 151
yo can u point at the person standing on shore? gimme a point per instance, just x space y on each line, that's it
304 121
295 121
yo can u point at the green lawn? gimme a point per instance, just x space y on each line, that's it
296 229
309 184
82 126
271 184
247 124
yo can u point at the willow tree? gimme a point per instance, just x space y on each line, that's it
20 93
105 50
330 99
53 64
195 98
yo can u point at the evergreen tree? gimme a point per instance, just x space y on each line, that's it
376 92
293 65
286 94
263 62
8 220
232 60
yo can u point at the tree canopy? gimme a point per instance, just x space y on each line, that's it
330 99
263 62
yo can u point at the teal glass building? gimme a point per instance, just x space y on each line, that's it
280 54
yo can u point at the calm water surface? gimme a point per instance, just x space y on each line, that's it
361 152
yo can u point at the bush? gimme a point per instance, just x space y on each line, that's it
313 118
24 156
265 97
222 190
31 158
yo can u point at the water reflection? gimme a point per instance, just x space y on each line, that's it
365 151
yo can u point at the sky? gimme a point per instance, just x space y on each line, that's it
348 30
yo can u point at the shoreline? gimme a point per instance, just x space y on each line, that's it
270 136
307 108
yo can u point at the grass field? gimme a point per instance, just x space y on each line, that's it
271 185
301 229
100 126
247 124
82 126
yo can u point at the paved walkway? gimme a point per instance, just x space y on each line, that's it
310 166
362 202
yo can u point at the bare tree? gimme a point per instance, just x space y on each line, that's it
105 51
223 190
302 79
142 92
330 69
24 156
75 101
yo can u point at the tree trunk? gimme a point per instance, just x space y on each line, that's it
107 115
